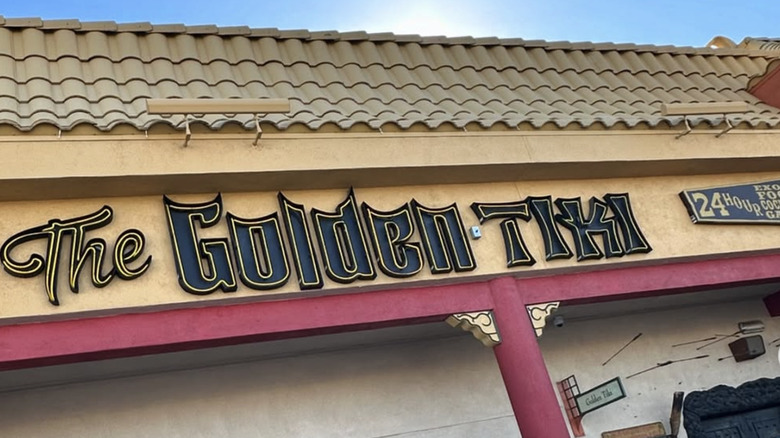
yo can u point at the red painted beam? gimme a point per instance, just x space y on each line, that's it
32 344
55 342
639 281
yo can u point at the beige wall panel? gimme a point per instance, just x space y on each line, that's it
581 347
40 167
424 389
657 207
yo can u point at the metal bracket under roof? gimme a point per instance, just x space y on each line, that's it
217 106
259 130
187 131
728 127
703 108
688 129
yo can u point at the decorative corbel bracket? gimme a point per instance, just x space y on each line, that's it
481 324
538 314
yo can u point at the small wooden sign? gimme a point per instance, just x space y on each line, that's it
652 430
600 396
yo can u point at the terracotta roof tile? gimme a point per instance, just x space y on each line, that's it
67 73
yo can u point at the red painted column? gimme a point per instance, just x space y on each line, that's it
525 375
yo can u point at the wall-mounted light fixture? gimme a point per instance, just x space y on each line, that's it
217 106
704 108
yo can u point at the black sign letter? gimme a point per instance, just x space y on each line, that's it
262 261
303 255
203 265
444 238
342 243
390 233
516 251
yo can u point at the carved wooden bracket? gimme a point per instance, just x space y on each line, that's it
481 324
538 314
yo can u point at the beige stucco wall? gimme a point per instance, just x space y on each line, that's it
431 388
581 347
441 385
73 165
659 212
131 173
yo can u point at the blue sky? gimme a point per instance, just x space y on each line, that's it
678 22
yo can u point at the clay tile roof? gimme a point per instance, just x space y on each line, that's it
768 44
68 73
